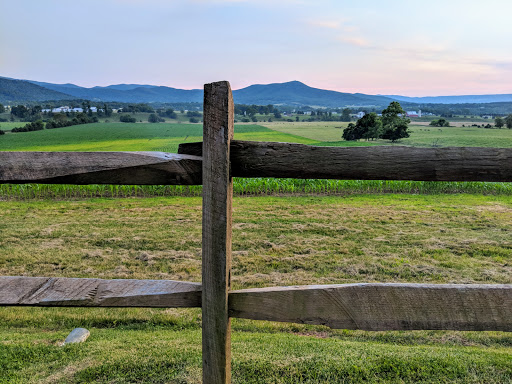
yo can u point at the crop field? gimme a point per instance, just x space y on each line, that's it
276 241
421 135
166 137
163 137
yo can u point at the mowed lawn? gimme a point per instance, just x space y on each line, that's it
276 241
163 137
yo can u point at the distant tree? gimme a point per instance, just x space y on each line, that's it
395 124
440 123
169 112
371 126
351 133
2 132
153 118
20 111
277 115
193 114
499 122
127 119
254 119
2 108
345 115
194 120
508 121
368 127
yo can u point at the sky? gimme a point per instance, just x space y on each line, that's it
413 48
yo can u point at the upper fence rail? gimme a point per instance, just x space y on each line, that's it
260 159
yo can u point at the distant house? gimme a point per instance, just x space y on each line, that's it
307 113
413 113
65 109
360 114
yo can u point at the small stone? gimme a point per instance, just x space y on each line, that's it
77 335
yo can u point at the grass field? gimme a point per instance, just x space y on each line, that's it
129 137
421 136
166 137
276 241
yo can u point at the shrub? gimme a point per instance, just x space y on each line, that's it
127 119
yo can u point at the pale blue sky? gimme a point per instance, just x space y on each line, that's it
389 47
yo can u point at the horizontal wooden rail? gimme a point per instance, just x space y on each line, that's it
77 292
374 307
380 307
286 160
258 159
100 168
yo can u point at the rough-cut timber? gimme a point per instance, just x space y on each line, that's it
76 292
380 307
99 168
217 203
283 160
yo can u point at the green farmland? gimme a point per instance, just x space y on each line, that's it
305 232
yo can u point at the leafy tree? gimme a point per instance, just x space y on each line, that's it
394 122
153 118
351 133
127 119
193 114
508 121
345 115
277 115
19 111
2 108
2 132
169 112
368 127
499 122
440 123
194 120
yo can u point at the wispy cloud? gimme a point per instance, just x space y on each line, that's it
356 41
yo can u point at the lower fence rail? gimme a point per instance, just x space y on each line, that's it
367 306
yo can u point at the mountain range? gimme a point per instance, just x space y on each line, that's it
290 93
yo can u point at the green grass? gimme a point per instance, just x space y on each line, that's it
276 241
421 136
163 137
166 137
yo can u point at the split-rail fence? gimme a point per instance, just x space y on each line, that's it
213 163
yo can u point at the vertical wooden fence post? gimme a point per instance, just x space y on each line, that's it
217 200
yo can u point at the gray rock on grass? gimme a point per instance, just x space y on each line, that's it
77 335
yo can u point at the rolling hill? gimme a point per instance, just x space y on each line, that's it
19 91
292 93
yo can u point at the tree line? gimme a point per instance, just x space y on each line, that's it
58 121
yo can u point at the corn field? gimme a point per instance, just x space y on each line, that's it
245 187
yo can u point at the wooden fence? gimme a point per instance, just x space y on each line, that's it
213 163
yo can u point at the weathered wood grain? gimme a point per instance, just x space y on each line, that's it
100 168
283 160
217 206
78 292
380 307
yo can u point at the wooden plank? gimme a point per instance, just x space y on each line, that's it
217 205
77 292
100 168
381 307
283 160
